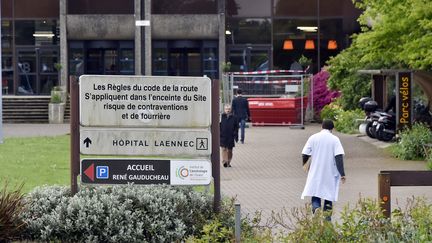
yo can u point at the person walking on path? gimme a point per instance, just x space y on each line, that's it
228 133
326 167
240 107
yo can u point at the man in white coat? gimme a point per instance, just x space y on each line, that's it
326 168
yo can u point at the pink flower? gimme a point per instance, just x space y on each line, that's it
321 94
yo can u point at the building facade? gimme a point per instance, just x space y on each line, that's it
46 41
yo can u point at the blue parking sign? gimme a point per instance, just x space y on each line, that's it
102 172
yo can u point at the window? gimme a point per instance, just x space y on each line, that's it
37 32
248 8
127 62
184 7
210 62
76 60
160 61
101 7
250 30
295 8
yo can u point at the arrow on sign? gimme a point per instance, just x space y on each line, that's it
87 142
89 172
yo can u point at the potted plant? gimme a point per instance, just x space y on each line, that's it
58 90
226 67
305 62
56 107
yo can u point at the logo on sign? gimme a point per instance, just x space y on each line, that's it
182 172
102 172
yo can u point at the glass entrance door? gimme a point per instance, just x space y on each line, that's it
36 72
185 62
249 58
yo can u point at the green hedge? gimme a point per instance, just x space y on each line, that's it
345 120
410 145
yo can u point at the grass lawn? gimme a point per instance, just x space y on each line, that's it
38 161
35 161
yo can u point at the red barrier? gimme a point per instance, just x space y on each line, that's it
276 111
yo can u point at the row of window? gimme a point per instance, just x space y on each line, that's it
236 8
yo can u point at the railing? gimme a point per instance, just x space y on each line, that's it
387 179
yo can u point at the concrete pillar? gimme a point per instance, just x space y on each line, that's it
222 46
63 44
148 38
138 38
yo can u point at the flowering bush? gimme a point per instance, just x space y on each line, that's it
321 94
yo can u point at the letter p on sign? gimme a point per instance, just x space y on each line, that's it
102 172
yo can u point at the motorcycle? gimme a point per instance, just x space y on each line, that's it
372 115
386 127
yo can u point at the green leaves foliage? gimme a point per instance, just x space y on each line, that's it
365 222
410 146
395 34
346 121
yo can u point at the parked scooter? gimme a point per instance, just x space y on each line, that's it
372 115
386 128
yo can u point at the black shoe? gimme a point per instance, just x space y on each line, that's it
242 141
225 164
229 165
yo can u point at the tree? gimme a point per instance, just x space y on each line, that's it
395 34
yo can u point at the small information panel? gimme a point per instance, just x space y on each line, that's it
139 171
145 101
146 142
404 111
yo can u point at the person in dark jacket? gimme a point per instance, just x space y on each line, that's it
228 133
240 107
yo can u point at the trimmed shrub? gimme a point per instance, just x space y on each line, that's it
410 146
11 205
330 111
346 121
116 214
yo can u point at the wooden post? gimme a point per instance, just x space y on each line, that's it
74 133
384 192
215 155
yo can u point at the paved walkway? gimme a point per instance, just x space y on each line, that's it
266 172
34 130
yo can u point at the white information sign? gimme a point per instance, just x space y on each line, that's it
146 142
142 23
145 101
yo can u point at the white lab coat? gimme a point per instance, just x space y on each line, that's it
323 177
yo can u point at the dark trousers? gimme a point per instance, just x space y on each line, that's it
316 203
242 129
